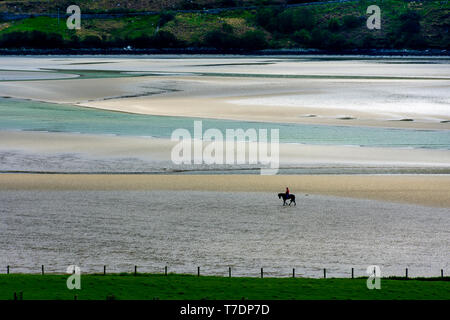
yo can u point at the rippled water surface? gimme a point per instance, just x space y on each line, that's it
40 116
214 230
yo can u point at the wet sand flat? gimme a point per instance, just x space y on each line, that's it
215 230
57 152
312 101
431 190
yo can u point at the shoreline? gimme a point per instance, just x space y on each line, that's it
211 51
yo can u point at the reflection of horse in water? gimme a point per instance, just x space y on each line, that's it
291 197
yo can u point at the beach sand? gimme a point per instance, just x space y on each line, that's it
429 190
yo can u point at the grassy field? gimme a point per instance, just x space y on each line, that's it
189 287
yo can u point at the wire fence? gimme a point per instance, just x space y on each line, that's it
226 272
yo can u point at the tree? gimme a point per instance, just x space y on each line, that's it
302 37
222 38
351 22
292 20
92 42
164 39
333 24
254 40
319 38
410 22
267 18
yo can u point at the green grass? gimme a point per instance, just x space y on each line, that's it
44 24
120 27
180 287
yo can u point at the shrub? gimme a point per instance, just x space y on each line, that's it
91 42
143 41
302 37
319 38
351 22
164 39
165 17
31 39
254 40
410 22
267 18
336 41
292 20
220 39
411 41
333 24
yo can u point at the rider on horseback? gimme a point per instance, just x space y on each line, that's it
287 196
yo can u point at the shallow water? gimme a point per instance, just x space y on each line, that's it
40 116
214 230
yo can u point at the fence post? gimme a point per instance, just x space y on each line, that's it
42 268
406 274
135 270
229 272
353 273
7 270
442 273
262 273
293 272
104 270
165 270
324 273
198 271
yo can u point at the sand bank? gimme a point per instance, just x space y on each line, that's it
431 190
325 65
386 103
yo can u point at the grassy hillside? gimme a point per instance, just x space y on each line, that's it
405 24
152 286
46 6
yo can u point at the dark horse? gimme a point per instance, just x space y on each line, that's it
291 197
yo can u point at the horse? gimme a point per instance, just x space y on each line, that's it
291 197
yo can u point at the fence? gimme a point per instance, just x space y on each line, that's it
166 272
